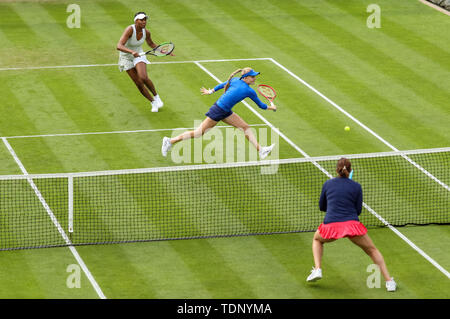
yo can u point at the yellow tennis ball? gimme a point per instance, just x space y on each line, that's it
347 128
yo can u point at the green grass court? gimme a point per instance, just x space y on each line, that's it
87 116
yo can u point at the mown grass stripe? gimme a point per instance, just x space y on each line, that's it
78 105
203 29
10 105
406 61
416 43
87 37
348 41
39 103
355 50
215 274
157 271
16 30
108 100
27 285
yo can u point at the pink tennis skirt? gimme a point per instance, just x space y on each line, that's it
338 230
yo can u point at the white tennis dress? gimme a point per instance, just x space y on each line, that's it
126 60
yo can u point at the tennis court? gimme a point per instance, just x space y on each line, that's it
87 138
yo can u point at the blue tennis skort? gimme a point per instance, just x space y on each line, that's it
216 113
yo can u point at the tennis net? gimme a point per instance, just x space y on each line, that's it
201 201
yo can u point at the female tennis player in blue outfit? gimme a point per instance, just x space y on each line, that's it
341 199
235 91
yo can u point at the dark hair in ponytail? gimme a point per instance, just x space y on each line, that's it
343 167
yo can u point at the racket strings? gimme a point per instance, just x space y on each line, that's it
267 92
164 49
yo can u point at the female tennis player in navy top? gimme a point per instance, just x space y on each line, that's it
235 91
341 199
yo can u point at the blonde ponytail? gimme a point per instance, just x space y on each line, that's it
243 71
229 79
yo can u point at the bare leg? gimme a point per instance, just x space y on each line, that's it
236 121
139 83
369 248
317 248
199 131
141 69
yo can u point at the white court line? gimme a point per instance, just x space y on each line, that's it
115 64
361 124
55 221
119 132
396 231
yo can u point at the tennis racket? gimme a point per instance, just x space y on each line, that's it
351 175
268 92
163 49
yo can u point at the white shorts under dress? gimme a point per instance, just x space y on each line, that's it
128 62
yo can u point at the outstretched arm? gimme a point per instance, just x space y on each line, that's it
211 91
256 99
258 102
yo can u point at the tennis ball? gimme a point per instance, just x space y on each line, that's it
347 128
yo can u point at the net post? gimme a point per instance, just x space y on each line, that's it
70 189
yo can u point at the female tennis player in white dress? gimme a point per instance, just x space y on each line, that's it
130 45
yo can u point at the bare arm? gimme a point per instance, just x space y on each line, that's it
150 42
148 39
123 39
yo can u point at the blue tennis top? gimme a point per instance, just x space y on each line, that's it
237 91
341 199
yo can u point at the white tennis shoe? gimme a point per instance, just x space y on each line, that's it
316 274
264 151
166 146
155 106
391 285
158 101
